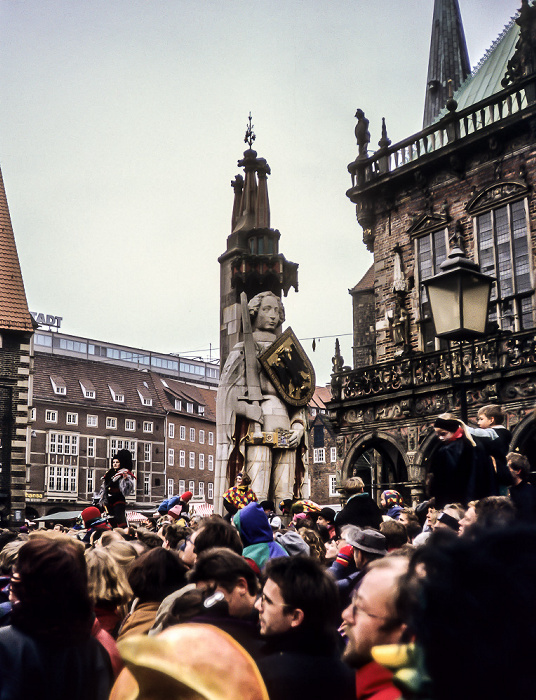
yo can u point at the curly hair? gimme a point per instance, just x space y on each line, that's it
317 549
255 304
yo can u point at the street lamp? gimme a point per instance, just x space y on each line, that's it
459 297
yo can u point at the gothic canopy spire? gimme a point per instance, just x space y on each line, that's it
251 207
449 59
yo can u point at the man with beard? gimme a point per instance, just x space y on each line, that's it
370 620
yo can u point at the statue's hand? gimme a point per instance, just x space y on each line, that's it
296 435
251 411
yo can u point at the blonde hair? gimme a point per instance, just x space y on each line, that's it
107 579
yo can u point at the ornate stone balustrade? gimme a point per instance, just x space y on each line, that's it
471 362
454 126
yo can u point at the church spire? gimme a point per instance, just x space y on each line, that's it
449 60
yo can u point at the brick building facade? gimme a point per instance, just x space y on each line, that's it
322 452
84 410
466 179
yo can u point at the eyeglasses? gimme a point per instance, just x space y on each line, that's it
358 609
266 601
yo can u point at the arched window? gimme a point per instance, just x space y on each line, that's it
502 233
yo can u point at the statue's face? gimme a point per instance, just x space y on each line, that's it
268 314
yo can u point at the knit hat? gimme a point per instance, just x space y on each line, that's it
292 543
299 516
449 424
392 498
328 514
90 514
186 496
449 521
175 512
367 540
305 506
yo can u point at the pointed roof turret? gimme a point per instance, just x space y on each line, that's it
448 65
252 262
251 208
14 313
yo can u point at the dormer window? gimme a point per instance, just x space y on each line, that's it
190 407
145 396
178 405
117 393
58 384
88 390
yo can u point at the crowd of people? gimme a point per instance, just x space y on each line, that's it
378 601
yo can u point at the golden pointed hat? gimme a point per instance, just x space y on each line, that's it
187 662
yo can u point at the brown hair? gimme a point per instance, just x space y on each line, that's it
217 532
494 411
519 463
395 534
224 567
353 485
51 586
317 548
156 574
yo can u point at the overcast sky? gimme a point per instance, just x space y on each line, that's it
121 122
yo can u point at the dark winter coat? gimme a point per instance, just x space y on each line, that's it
299 664
461 473
30 668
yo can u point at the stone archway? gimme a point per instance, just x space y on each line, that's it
380 461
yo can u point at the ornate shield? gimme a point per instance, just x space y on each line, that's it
289 369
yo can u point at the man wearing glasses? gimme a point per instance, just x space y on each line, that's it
371 620
298 617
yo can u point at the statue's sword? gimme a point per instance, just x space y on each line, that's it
254 395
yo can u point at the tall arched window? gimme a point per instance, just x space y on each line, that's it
503 248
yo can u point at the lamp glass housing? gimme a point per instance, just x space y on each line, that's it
459 299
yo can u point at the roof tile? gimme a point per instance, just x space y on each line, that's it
14 313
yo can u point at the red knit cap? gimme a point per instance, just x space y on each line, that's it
91 513
186 496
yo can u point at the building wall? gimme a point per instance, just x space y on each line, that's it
72 437
484 160
15 362
192 457
322 459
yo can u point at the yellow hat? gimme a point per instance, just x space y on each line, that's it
187 662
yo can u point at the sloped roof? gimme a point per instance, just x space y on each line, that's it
186 392
485 80
14 313
73 370
366 283
320 398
